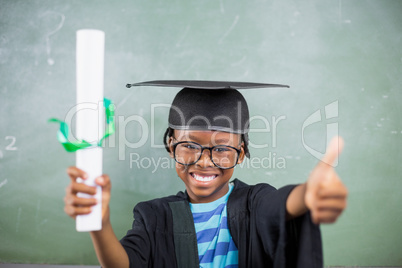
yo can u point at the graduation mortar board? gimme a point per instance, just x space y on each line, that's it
208 105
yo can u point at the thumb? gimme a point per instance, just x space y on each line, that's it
323 170
334 149
104 182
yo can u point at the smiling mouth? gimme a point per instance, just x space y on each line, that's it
203 178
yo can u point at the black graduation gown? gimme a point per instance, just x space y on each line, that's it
163 233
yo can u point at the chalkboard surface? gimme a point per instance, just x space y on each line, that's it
342 59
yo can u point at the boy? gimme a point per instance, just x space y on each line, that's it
217 222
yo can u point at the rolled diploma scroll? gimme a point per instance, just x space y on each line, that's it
90 117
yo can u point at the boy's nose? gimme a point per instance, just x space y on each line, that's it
205 159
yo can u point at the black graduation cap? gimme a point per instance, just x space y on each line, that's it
208 105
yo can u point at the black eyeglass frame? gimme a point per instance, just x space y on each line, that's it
210 153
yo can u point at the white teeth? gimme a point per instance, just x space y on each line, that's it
201 178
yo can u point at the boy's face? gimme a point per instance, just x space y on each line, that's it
204 181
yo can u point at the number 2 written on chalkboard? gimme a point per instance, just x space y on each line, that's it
10 144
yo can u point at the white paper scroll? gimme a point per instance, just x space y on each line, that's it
90 116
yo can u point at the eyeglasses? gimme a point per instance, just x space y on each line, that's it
189 152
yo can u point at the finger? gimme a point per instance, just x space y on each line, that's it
331 204
74 173
315 216
310 197
104 182
106 185
334 149
322 191
75 211
327 215
77 187
333 191
79 201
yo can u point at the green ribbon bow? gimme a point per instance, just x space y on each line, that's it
62 134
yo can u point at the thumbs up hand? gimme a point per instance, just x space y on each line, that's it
325 194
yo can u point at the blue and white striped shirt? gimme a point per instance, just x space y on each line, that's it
215 244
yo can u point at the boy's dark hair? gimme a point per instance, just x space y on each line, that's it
170 131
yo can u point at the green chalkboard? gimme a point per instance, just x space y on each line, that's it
342 59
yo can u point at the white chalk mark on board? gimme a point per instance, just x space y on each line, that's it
341 20
50 61
178 44
11 146
37 210
43 221
230 29
4 52
3 183
240 62
340 12
17 226
125 99
191 67
221 6
37 224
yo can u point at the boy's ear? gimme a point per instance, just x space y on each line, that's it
242 154
170 146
